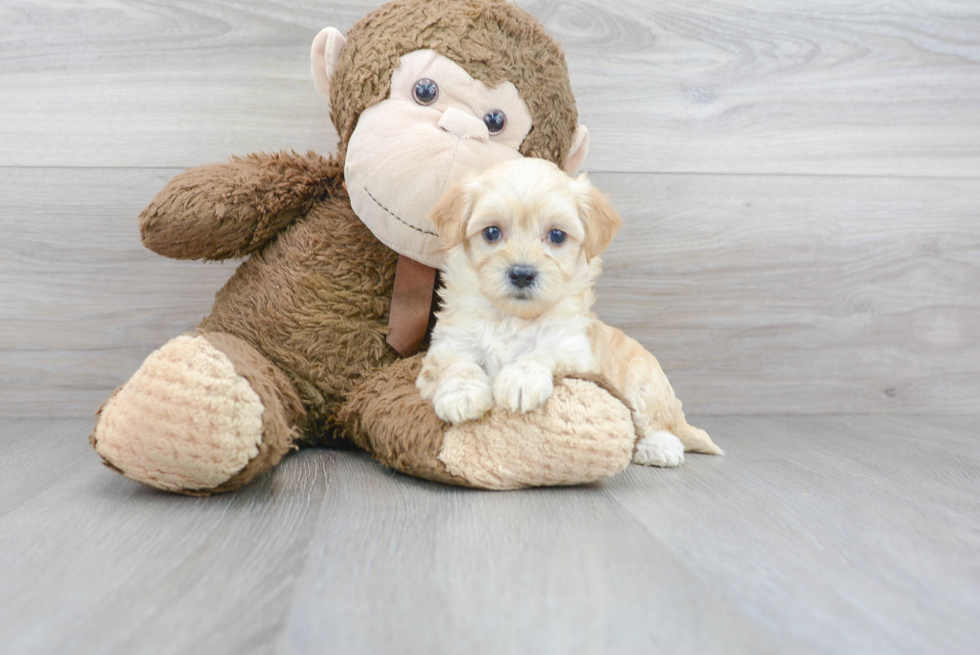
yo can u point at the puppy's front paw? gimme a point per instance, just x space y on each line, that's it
522 387
659 449
459 400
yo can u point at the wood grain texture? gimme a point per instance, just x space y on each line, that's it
547 571
758 294
781 87
821 535
831 531
803 87
93 563
82 303
815 294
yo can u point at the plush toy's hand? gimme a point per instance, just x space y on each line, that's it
580 435
523 386
231 209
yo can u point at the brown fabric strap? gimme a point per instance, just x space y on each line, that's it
411 303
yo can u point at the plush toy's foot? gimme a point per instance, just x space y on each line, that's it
581 434
204 413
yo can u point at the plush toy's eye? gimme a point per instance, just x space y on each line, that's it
495 120
491 233
425 91
557 237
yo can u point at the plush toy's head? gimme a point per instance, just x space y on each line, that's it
425 92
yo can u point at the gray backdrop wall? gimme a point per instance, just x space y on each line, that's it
800 183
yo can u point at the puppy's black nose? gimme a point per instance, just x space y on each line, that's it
521 276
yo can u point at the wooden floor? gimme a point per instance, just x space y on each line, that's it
850 534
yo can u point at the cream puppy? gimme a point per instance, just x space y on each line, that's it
522 243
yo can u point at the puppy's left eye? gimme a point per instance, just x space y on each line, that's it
557 237
491 233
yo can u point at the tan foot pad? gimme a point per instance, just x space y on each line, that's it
186 420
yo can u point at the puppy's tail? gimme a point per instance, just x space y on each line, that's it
695 440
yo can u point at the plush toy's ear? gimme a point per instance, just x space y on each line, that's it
324 55
451 214
578 151
601 221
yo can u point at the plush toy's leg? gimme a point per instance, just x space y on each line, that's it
204 413
582 434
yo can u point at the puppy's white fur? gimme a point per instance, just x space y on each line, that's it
498 341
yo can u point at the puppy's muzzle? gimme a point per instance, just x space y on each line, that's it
521 276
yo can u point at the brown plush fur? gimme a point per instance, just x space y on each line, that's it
380 407
304 319
315 302
232 209
283 407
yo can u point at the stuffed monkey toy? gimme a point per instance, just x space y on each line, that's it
309 342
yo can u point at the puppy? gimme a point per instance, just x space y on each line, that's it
523 241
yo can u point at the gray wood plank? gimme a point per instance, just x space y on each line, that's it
672 86
82 303
759 294
830 534
400 565
91 562
148 84
765 294
847 534
792 87
36 455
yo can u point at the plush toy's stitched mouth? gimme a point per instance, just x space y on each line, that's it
391 213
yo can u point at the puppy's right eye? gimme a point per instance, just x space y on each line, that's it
491 233
557 237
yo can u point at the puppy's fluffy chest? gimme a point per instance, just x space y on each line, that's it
493 339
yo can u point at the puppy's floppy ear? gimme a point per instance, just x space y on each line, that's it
600 220
451 213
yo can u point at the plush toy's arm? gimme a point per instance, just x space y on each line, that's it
231 209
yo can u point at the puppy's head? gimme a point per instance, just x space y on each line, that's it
528 230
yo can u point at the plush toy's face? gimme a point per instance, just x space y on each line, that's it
437 126
428 122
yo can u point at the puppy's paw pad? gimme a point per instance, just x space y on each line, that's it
659 449
463 401
522 388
